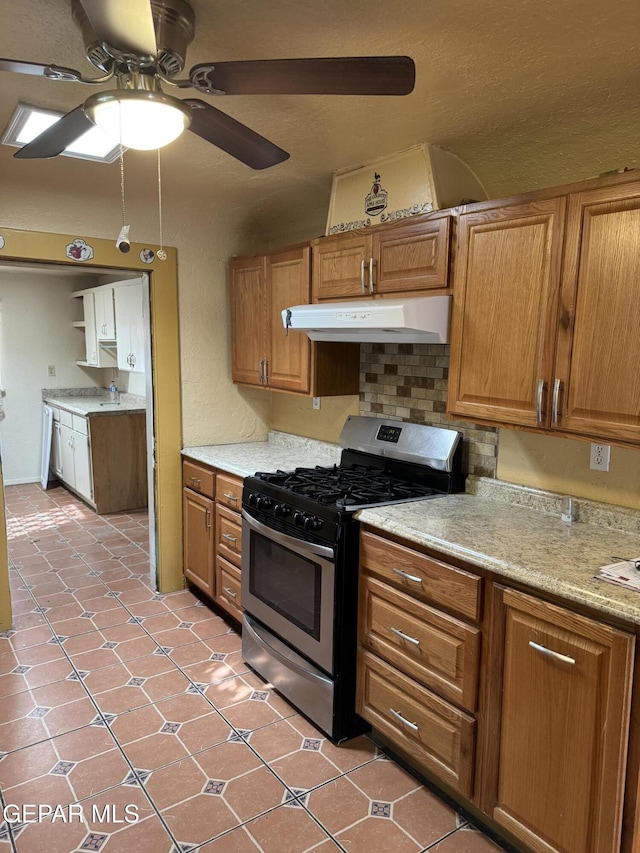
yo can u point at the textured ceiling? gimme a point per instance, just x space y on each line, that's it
529 93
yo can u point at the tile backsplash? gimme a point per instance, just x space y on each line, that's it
409 382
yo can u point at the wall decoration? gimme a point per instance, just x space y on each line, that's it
79 250
147 256
1 242
162 255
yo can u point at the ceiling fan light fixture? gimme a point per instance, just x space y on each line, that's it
138 119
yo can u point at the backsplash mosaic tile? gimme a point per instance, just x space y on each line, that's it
409 382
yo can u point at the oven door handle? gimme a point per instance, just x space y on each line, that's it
299 545
285 661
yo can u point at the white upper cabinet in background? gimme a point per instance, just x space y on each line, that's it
130 326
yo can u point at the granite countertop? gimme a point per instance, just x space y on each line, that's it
521 543
281 451
94 403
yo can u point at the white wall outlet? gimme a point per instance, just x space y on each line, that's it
600 454
316 402
51 370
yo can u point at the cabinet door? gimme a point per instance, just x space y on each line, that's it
413 257
105 314
66 473
130 324
248 319
505 309
56 450
565 721
597 366
82 465
90 331
198 517
288 283
341 267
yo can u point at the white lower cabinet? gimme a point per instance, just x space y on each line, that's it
73 455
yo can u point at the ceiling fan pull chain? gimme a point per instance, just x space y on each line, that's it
162 255
124 217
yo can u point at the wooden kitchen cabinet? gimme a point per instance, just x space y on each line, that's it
262 353
213 533
418 665
564 728
399 259
546 313
198 508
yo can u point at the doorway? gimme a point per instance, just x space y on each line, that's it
164 429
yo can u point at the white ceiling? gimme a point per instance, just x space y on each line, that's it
529 93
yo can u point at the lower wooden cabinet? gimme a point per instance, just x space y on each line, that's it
213 533
198 515
564 728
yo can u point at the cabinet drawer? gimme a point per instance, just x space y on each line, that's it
229 491
198 478
228 534
80 424
429 730
438 650
228 587
421 576
66 418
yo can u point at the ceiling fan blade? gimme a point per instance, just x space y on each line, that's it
53 72
351 75
126 25
233 137
56 138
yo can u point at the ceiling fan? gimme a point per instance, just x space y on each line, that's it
142 44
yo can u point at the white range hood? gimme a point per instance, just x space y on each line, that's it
423 320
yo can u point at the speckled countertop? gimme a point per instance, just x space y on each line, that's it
93 403
281 451
521 543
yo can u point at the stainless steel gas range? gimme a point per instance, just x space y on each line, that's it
300 558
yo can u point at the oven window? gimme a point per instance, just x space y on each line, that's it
287 583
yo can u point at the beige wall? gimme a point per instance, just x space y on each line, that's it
294 414
562 465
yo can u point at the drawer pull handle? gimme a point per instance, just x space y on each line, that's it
406 637
207 519
551 653
404 721
229 592
229 537
196 482
230 497
408 577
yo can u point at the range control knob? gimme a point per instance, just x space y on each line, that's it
263 502
252 499
312 522
299 518
282 510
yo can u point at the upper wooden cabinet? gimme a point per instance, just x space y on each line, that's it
389 260
263 354
546 313
565 723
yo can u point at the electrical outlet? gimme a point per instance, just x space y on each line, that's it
51 370
600 454
316 402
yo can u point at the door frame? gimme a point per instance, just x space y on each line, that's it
36 247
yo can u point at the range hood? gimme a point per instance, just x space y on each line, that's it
423 320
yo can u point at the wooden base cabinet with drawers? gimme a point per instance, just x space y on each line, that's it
517 707
418 664
213 534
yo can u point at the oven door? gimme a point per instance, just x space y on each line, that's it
288 584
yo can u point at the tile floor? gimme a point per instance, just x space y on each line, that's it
132 716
